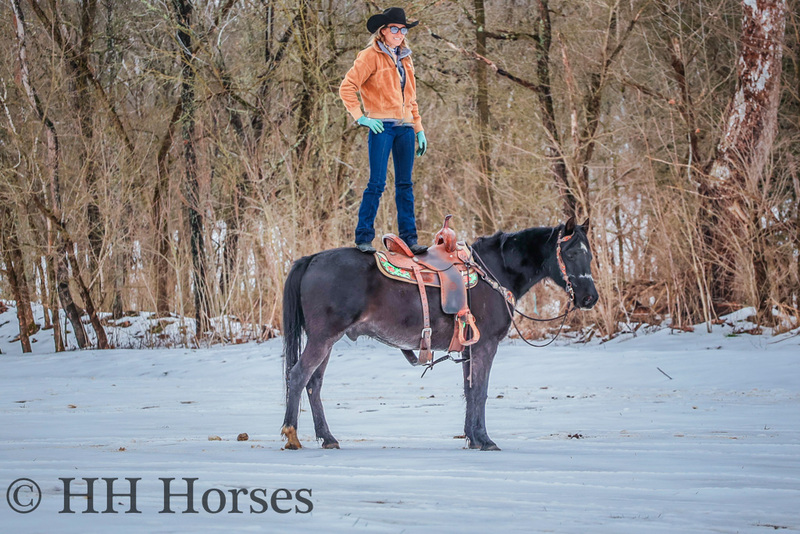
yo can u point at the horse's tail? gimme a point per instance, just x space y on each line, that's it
294 321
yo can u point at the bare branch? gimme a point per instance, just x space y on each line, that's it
85 69
477 57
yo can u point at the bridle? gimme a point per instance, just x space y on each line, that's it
511 301
562 266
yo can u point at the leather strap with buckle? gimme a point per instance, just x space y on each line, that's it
425 353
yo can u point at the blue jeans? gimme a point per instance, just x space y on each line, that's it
399 140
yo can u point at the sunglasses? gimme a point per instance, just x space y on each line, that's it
395 29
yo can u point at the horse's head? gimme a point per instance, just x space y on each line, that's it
574 258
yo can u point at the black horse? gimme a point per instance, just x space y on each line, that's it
340 291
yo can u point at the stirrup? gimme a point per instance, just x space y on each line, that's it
466 320
425 352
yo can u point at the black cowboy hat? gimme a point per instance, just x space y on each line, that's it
393 15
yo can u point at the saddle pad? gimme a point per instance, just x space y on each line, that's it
429 277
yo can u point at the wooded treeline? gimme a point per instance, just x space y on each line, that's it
176 155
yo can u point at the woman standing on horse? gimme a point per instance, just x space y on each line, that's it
383 75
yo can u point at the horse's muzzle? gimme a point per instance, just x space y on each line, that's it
588 301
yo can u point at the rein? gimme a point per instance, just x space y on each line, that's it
511 306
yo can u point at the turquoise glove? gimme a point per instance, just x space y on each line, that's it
373 124
423 144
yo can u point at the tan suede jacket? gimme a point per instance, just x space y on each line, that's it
374 76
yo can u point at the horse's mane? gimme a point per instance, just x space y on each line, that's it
496 238
488 240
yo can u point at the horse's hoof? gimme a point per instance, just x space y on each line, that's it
489 446
292 443
331 445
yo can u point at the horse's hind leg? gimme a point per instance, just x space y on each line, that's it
313 355
314 396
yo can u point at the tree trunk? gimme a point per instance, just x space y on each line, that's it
102 341
735 173
68 251
22 284
307 37
761 283
58 335
234 213
161 217
547 111
618 222
48 324
15 271
230 250
120 272
12 247
11 269
794 294
486 222
65 295
47 286
194 215
85 109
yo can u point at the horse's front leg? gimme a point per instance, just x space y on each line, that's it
475 391
313 355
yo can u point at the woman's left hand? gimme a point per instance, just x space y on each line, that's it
423 143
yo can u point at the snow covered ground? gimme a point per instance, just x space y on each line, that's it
595 438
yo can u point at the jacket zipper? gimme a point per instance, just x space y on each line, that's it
402 91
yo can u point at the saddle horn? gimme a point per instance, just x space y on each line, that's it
446 236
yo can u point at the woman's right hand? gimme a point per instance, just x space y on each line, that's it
373 124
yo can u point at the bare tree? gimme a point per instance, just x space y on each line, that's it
570 168
160 213
485 189
183 12
736 171
76 47
53 161
15 271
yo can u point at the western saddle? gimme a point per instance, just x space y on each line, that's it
447 265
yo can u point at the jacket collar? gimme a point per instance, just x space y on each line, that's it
404 51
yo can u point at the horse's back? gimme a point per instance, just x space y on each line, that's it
335 286
338 266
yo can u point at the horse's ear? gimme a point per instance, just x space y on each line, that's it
569 227
585 226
